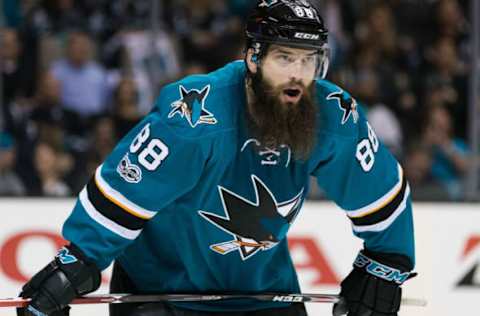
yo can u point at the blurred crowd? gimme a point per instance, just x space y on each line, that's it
77 75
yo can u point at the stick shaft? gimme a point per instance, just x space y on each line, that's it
130 298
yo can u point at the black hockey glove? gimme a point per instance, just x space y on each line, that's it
69 275
373 286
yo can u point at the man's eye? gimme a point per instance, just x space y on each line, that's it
284 57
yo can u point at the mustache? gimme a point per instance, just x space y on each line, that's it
273 91
275 123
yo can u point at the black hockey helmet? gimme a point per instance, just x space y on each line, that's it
294 23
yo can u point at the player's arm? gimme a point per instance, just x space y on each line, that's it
148 169
366 181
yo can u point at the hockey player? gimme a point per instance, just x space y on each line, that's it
199 197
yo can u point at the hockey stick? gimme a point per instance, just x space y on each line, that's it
131 298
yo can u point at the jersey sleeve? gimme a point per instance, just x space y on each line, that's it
357 172
152 166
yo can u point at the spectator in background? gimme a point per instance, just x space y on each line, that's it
10 183
14 75
447 70
418 169
126 112
47 121
400 58
59 16
381 30
46 25
17 80
449 154
450 21
10 13
50 164
378 36
418 165
338 40
14 12
47 102
31 119
101 143
151 61
381 117
209 33
83 84
128 13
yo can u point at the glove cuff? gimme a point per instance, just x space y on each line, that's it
384 266
395 260
79 270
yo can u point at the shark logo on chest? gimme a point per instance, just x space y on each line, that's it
191 106
254 225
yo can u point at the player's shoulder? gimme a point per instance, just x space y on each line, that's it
339 112
202 105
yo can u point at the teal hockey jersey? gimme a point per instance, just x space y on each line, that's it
190 202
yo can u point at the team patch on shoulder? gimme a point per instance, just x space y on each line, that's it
129 171
191 106
347 104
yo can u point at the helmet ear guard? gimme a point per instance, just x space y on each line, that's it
259 51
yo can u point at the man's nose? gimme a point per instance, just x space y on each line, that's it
295 71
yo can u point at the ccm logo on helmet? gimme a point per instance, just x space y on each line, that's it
307 36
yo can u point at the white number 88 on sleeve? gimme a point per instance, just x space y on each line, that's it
366 150
153 154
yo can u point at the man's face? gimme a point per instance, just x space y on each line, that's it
50 89
79 49
10 46
290 71
282 107
7 158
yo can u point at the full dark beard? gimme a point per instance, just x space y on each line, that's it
275 123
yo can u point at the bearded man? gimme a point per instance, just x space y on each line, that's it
200 195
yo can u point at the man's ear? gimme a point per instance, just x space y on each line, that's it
252 64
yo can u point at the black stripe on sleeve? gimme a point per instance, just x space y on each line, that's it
112 211
385 212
